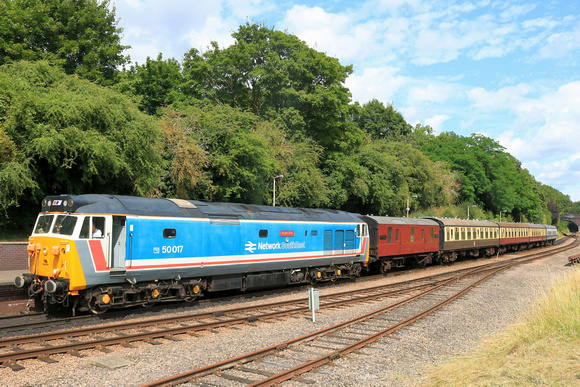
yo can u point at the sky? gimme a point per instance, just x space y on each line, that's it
506 69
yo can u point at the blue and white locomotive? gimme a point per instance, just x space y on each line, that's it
107 251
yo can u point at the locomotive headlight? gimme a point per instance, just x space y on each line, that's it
44 251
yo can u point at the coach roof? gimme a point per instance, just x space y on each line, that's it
401 221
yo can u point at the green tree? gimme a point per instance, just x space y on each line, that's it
277 77
368 181
433 182
61 134
459 153
80 35
491 177
380 121
225 154
156 83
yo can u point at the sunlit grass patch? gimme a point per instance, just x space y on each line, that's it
542 350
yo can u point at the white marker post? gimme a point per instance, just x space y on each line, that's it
313 301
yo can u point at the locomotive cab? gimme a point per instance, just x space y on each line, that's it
59 245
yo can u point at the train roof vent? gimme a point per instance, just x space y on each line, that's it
182 203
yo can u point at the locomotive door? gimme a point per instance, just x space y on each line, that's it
98 229
118 243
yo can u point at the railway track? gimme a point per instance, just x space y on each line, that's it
306 353
169 327
47 344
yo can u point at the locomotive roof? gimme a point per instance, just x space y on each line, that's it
133 205
403 221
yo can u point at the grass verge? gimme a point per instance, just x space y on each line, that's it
542 350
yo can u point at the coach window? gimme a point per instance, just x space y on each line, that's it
263 233
432 233
412 234
383 237
390 235
169 233
397 235
422 235
457 233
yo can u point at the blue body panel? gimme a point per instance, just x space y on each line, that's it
209 247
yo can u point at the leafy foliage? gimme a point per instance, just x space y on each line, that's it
491 177
277 76
224 154
79 35
60 134
157 83
382 122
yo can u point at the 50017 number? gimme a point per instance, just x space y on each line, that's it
171 249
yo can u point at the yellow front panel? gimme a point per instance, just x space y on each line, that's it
66 264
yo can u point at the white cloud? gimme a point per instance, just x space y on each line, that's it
438 92
335 34
514 11
561 174
545 134
376 83
506 98
436 122
166 26
561 44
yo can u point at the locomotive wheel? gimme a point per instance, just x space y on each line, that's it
94 307
191 293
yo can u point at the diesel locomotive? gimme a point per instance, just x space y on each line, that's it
97 252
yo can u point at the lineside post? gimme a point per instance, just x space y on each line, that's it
313 301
